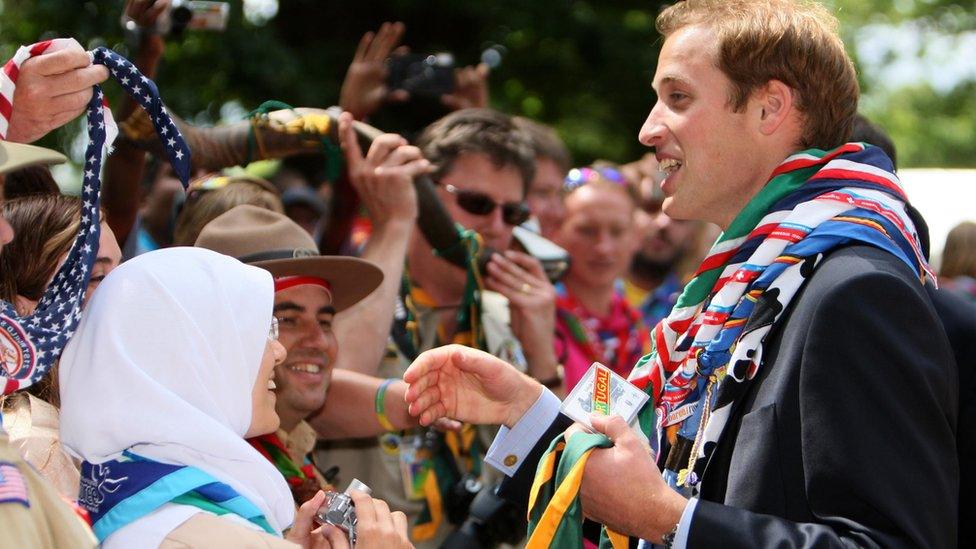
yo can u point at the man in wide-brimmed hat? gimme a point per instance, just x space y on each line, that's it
310 290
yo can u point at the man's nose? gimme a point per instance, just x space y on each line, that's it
653 129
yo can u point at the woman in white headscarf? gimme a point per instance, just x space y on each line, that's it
170 368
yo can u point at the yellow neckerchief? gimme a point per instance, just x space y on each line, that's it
634 294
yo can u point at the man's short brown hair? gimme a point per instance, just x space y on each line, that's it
793 41
545 142
477 131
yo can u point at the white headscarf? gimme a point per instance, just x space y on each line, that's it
163 363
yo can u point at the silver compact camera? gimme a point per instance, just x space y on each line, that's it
339 510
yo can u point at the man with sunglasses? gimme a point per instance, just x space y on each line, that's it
481 165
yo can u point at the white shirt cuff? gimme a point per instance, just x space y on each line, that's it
684 525
508 450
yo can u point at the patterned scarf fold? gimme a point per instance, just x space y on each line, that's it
709 349
301 478
30 345
119 492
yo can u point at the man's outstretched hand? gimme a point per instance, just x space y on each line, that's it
468 385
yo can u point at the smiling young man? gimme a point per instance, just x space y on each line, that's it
794 403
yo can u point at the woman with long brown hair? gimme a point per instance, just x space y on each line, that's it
44 226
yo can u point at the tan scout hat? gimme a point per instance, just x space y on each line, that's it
18 155
277 244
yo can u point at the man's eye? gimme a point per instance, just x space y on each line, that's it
95 280
286 321
677 96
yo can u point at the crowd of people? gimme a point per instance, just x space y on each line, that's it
203 359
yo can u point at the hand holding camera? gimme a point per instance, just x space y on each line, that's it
350 519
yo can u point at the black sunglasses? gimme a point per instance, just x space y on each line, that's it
473 202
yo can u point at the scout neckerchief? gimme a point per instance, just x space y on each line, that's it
590 333
454 449
119 492
31 344
707 351
301 478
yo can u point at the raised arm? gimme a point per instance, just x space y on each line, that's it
384 181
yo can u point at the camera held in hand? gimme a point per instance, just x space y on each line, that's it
340 511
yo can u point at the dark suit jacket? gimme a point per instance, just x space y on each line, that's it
847 436
958 316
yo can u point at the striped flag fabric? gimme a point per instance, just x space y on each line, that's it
13 487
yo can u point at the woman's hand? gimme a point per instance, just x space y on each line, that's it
521 278
305 531
376 526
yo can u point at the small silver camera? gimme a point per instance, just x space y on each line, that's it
339 510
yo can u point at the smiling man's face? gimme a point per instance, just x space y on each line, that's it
305 316
707 150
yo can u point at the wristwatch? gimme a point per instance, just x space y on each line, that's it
668 539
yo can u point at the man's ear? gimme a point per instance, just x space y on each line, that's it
775 105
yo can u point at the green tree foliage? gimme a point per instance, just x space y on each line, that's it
583 66
930 127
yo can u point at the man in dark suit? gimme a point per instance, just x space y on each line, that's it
846 435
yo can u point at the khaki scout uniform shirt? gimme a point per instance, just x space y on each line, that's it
213 532
376 461
48 522
299 443
32 425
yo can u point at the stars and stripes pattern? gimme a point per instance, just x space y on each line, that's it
13 487
30 345
711 345
8 80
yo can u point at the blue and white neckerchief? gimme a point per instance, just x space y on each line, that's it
118 492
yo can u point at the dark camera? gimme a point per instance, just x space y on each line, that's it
458 500
491 521
429 76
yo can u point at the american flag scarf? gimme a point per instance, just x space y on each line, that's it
710 347
31 344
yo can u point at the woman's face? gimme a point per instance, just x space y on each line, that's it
108 258
264 419
598 234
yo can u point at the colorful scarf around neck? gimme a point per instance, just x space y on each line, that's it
119 492
591 334
301 478
710 347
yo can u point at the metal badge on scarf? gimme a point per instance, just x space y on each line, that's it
30 345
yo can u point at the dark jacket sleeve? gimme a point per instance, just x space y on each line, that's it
877 404
516 488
